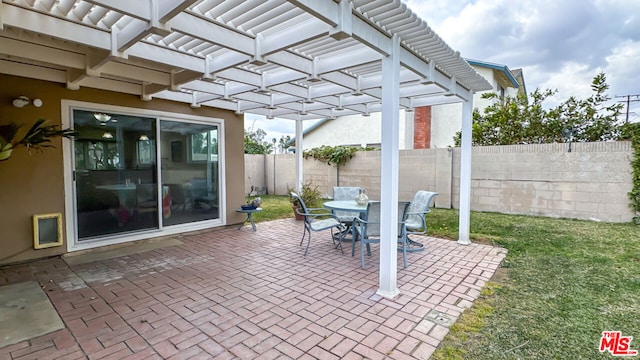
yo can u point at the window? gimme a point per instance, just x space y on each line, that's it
146 151
97 155
202 145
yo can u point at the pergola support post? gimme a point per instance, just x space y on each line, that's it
464 216
388 286
299 164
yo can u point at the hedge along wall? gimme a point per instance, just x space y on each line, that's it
590 182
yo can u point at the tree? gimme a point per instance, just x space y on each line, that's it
254 142
282 143
590 119
517 121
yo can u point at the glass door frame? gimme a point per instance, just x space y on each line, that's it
67 107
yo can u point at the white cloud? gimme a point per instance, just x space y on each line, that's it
560 44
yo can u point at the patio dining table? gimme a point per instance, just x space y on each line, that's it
345 205
352 205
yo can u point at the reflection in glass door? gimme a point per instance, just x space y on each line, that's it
115 174
190 171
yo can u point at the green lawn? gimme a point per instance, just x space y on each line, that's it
562 283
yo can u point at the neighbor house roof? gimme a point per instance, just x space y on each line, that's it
503 70
308 130
297 59
519 75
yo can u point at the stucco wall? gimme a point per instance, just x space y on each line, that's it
357 130
446 120
591 182
33 183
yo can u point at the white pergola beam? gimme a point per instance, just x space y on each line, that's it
332 14
292 36
213 32
326 11
32 51
32 21
140 10
167 57
25 70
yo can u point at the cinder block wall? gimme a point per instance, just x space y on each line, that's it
591 182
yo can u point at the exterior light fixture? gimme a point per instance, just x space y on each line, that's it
22 101
107 135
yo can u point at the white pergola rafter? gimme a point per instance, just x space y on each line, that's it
292 59
325 42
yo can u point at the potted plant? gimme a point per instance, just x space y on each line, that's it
37 137
252 202
309 194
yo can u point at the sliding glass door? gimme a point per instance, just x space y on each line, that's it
115 173
129 180
190 171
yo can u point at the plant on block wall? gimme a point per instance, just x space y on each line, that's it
332 155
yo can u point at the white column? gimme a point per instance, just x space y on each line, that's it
465 173
299 171
389 172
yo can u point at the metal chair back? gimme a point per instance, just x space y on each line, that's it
416 219
346 193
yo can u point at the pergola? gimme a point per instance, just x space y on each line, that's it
291 59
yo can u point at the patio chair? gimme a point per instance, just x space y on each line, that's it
346 193
416 222
146 201
319 219
202 196
179 197
368 229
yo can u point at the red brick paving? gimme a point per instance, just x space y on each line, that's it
236 294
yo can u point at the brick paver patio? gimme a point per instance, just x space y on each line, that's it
236 294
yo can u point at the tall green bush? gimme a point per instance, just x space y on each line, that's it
632 132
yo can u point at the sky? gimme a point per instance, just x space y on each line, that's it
560 45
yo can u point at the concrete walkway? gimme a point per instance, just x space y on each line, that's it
239 294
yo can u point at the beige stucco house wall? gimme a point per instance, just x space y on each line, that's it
32 182
354 130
